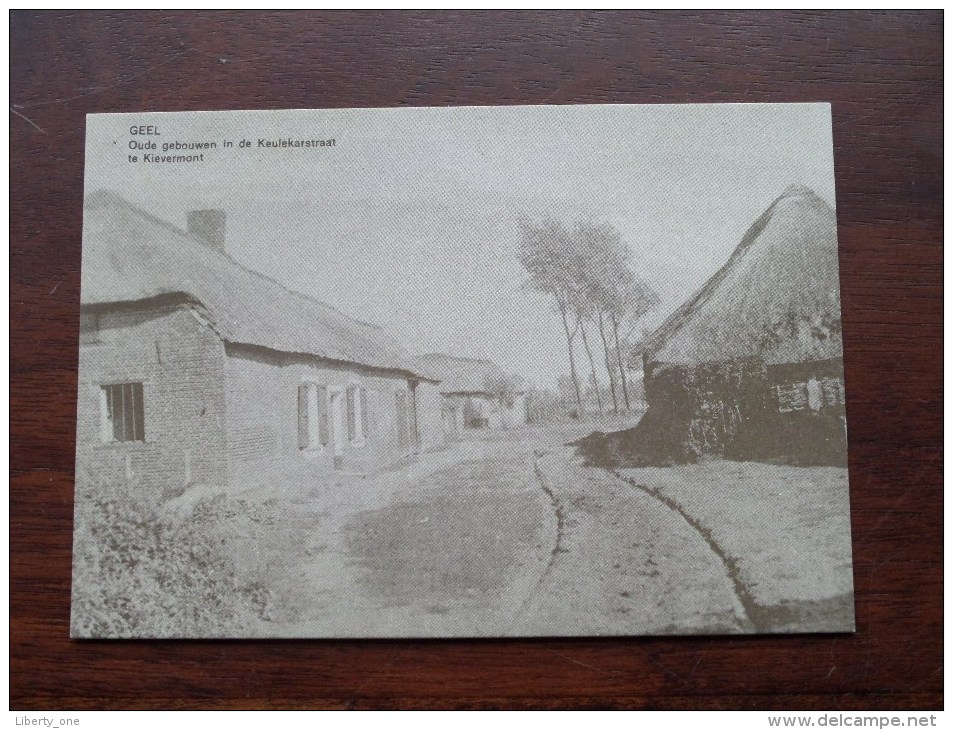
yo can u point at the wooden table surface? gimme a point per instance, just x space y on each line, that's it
883 74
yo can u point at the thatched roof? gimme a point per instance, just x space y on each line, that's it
777 298
458 375
130 255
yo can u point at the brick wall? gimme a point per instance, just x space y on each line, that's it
225 414
262 416
180 362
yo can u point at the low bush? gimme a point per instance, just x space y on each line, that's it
140 571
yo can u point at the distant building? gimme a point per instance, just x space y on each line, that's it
469 397
194 369
752 365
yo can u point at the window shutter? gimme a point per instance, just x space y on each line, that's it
302 416
365 415
351 422
324 430
122 412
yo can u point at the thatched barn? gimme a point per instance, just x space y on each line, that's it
196 370
752 365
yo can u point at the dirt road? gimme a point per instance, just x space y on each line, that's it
510 535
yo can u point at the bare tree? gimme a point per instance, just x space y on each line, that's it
588 271
543 251
613 291
583 308
610 369
596 285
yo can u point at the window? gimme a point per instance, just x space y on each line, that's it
791 397
814 395
833 390
123 417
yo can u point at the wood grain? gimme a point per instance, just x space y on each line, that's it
883 74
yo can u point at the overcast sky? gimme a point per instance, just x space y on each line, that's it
409 221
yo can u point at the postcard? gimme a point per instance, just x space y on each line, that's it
461 372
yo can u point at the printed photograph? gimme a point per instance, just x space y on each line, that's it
461 372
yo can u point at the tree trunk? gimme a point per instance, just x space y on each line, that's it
572 359
605 350
592 363
618 354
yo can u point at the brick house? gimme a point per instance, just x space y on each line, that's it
196 370
467 392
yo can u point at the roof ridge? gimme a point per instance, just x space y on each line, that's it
483 361
114 197
363 336
676 320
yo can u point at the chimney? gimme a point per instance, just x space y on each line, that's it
208 225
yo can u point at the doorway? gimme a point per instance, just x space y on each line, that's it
337 427
403 422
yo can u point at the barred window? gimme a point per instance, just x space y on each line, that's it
833 389
123 415
791 397
815 395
